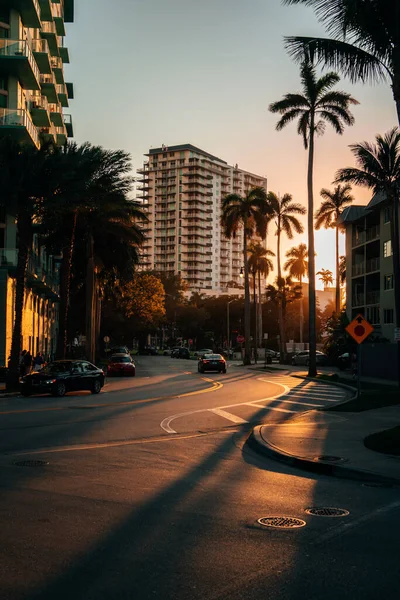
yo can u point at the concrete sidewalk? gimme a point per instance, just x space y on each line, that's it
313 440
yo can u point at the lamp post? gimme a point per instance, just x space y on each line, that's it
228 330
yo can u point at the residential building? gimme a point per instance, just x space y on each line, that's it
33 94
369 265
181 188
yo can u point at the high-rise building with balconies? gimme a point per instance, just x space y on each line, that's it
181 188
33 96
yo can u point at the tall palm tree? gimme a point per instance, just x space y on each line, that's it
328 216
260 264
365 45
283 214
378 168
249 214
326 277
342 270
297 265
24 184
317 105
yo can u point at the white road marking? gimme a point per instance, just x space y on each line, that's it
314 391
301 403
227 415
265 407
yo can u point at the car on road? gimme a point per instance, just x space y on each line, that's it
121 364
211 362
180 353
202 352
148 351
119 350
62 376
303 358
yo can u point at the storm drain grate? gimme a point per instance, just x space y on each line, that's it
330 458
31 463
282 522
327 511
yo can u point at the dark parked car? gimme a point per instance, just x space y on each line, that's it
121 364
119 350
180 353
149 351
344 361
62 376
212 362
303 358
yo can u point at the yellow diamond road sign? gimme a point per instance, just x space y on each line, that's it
359 329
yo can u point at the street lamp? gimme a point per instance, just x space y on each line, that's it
241 274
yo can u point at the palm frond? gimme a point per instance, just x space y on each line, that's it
359 177
288 117
289 102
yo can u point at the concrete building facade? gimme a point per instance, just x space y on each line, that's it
33 95
181 188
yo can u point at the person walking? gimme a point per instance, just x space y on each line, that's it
27 363
38 362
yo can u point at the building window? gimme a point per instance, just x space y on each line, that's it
388 282
387 249
387 215
388 316
373 315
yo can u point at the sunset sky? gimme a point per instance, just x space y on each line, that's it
204 72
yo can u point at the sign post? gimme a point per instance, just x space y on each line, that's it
359 329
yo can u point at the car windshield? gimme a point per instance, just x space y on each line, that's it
120 359
58 367
213 356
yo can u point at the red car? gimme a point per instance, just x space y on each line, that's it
121 364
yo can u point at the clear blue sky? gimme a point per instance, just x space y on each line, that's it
149 72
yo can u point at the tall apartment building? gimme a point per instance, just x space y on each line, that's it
181 188
369 264
33 94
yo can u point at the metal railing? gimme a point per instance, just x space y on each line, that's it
38 100
372 264
373 297
358 300
358 238
372 233
358 269
47 78
49 27
19 118
16 48
40 46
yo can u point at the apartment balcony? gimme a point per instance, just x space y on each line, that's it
358 238
358 269
62 136
68 10
68 125
372 233
358 300
49 134
58 69
49 33
48 85
373 297
40 49
18 124
45 10
64 54
28 9
372 264
58 16
40 111
56 114
41 279
17 60
62 94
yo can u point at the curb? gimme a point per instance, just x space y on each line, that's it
10 395
262 446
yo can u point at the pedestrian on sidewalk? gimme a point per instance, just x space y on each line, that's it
22 363
38 362
27 363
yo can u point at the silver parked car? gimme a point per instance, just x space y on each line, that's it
303 358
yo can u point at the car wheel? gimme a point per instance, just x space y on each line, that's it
96 386
60 389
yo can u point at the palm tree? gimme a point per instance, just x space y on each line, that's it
24 183
366 42
297 265
283 212
342 270
260 264
316 106
378 168
249 214
328 216
326 277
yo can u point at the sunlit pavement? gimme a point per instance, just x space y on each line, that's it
127 508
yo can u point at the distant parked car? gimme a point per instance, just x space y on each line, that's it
303 358
62 376
211 362
180 353
121 364
149 351
119 350
344 361
203 351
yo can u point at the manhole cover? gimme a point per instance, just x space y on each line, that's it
282 522
327 511
330 458
31 463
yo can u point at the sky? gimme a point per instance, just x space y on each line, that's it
154 72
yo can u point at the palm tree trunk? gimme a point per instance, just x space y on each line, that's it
280 304
247 311
301 310
312 370
260 323
396 269
90 302
255 317
25 235
65 288
337 294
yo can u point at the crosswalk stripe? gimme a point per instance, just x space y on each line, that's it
227 415
301 403
285 410
316 393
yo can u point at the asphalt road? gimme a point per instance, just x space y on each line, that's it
151 492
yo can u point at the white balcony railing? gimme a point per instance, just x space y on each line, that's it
38 100
49 27
40 46
17 48
19 118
